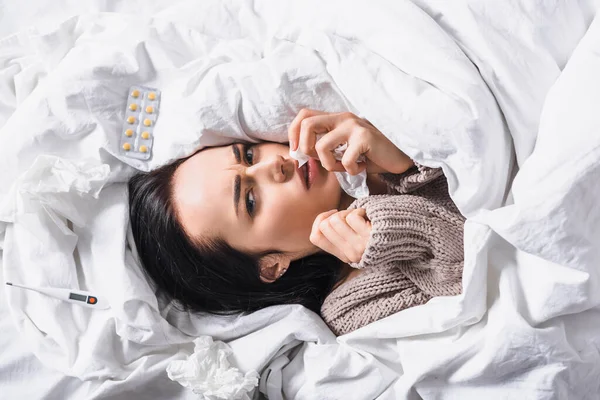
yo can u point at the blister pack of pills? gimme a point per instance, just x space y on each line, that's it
137 135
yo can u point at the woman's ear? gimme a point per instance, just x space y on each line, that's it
273 266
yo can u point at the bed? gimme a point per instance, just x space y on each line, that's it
503 96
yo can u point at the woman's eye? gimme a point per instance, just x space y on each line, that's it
250 203
249 154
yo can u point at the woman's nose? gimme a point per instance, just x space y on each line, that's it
271 170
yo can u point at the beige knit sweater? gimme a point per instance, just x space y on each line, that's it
415 252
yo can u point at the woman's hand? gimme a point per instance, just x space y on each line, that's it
345 234
362 139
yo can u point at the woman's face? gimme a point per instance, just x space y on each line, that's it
254 197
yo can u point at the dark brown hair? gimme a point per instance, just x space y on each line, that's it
213 277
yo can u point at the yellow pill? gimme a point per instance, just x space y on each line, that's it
152 95
147 122
133 107
135 93
145 135
126 146
131 120
149 109
129 132
143 149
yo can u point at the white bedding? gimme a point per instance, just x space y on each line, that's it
481 88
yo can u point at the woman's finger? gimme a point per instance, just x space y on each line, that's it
320 240
351 156
321 217
354 244
324 149
357 220
342 228
294 128
311 127
334 238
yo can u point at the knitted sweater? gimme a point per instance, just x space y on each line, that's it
415 252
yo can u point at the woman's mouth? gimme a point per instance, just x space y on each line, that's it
309 173
304 173
312 172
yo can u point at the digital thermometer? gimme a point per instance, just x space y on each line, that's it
80 297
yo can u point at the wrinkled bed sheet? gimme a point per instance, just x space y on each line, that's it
487 90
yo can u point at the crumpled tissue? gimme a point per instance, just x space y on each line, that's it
353 185
48 187
207 372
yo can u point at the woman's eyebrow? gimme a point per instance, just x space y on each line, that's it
237 184
236 153
236 194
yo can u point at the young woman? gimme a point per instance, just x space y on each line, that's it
241 227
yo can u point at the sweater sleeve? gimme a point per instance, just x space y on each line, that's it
411 180
354 306
411 228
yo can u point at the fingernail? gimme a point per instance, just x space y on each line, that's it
292 145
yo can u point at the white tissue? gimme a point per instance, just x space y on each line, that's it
354 185
50 184
207 372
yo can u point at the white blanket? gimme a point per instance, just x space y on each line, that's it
460 86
